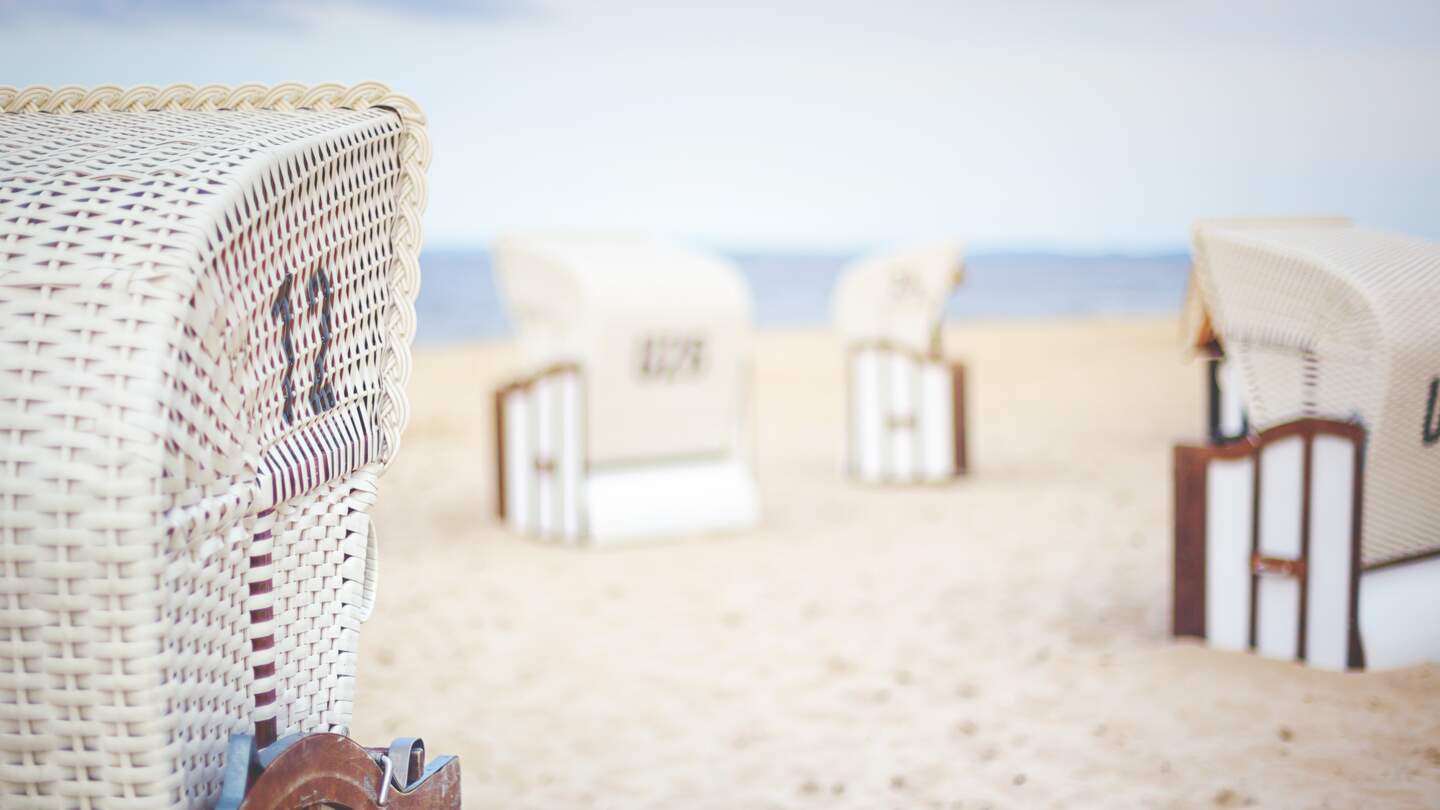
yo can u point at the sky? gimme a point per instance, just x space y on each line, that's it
836 125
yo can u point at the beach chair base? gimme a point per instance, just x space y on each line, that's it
906 422
1267 554
307 770
547 486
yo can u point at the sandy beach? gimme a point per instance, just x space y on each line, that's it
997 643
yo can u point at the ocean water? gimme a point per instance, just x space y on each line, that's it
459 302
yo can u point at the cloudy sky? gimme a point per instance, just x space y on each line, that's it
1090 125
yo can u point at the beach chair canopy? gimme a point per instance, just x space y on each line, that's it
1197 329
206 303
1339 322
661 335
898 298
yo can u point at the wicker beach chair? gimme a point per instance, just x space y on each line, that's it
630 420
206 306
905 401
1311 535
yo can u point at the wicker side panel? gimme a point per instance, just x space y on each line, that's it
317 353
207 653
306 276
283 354
318 585
120 653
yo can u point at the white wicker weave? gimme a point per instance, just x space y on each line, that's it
1196 327
206 304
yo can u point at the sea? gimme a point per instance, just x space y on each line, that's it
459 301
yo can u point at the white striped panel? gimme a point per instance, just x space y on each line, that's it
1332 512
867 417
547 441
569 457
900 413
1229 508
519 461
1277 621
937 422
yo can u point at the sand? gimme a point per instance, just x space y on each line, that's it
1001 642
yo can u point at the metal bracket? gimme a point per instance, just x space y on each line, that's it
303 770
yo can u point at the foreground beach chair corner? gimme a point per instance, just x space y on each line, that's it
631 420
1304 526
207 302
905 403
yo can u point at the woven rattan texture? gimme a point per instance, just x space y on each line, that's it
206 304
1340 323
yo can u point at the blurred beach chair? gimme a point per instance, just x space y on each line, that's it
206 304
631 417
905 402
1306 528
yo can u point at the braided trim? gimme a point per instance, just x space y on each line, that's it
289 96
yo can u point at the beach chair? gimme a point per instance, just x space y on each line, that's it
1311 535
905 402
630 418
206 306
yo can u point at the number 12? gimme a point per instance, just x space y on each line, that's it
317 291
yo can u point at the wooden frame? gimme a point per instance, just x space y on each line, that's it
1214 427
1192 466
549 485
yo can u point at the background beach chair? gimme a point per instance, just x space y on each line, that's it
1313 537
906 402
630 419
206 304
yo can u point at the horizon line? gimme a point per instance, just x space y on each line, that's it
985 250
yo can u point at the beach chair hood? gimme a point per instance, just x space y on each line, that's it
1197 329
661 335
1336 321
898 298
